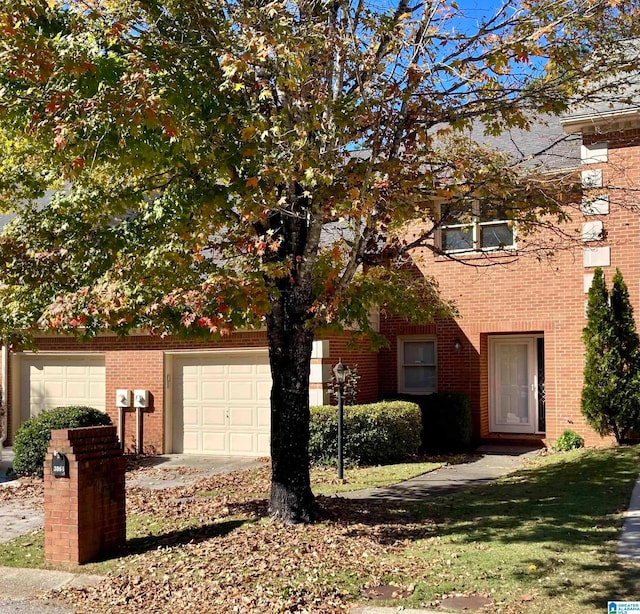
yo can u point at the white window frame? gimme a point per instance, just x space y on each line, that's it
401 365
476 227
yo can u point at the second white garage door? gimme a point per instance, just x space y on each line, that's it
221 404
55 381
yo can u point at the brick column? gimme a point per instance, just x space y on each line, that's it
84 513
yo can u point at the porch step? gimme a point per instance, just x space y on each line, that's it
512 439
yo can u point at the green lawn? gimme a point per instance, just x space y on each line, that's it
325 482
540 541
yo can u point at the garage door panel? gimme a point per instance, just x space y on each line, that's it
191 416
213 415
211 390
241 391
77 390
76 371
192 442
191 390
241 416
54 381
232 404
97 390
264 417
52 389
212 369
264 447
214 442
241 369
242 444
55 370
264 391
263 369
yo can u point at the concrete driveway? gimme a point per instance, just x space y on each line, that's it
172 470
157 472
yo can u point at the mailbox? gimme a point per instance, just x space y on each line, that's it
60 465
141 399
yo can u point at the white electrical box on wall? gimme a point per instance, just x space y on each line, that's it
141 398
123 398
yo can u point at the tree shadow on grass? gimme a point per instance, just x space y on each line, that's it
567 502
181 537
572 506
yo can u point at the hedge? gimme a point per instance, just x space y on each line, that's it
373 434
32 438
446 421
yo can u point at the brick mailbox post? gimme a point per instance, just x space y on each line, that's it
84 495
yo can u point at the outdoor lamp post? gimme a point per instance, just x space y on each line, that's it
340 371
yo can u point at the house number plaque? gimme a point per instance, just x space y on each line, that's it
60 465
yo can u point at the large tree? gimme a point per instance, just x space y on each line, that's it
196 166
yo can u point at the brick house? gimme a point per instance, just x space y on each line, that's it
516 346
515 349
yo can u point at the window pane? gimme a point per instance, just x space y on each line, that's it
419 353
420 378
459 212
457 238
496 235
490 212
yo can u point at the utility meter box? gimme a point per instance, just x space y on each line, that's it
141 398
123 398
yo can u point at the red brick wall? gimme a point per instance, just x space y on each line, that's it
532 295
357 354
84 512
138 369
138 362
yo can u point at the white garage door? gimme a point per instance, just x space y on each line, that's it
221 404
55 381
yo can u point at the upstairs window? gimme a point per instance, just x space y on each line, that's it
474 226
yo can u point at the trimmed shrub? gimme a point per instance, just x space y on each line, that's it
32 438
373 434
569 440
446 421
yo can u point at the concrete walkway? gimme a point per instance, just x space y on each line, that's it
20 589
492 463
629 547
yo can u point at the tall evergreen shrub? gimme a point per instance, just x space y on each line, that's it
610 397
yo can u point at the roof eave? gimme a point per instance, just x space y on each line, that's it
589 122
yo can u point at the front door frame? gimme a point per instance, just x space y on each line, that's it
495 341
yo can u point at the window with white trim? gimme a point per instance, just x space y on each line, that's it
473 226
417 365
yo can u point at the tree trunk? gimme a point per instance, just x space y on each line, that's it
290 345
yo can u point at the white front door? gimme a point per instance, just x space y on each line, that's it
513 392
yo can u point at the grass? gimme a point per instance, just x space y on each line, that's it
24 551
542 540
324 480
